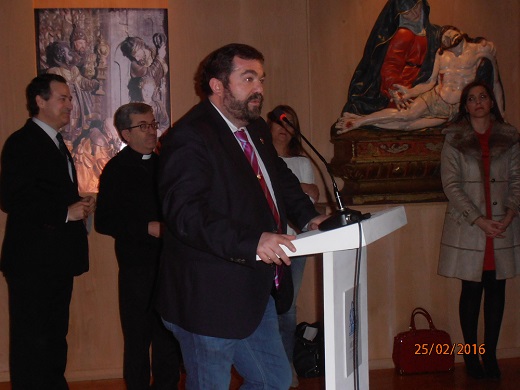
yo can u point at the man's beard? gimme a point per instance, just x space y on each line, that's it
240 108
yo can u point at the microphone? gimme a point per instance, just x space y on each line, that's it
343 216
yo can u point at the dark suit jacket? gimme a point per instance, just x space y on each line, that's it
126 202
35 192
216 211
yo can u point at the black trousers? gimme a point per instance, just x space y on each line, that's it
469 309
142 328
38 326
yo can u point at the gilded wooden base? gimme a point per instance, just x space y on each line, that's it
389 166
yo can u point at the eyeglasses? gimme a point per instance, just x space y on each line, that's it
145 126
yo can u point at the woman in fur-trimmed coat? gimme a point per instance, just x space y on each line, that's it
480 170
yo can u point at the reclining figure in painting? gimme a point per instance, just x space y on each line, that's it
459 61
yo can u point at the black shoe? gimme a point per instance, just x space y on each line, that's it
473 367
491 368
475 372
494 375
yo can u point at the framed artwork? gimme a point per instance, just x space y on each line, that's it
109 57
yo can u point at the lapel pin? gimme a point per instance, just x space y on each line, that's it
262 140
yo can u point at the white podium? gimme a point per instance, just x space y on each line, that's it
339 248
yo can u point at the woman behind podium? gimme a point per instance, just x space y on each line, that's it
480 171
288 146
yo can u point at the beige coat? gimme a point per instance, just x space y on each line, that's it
463 242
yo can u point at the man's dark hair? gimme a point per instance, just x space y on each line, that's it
40 86
122 118
219 64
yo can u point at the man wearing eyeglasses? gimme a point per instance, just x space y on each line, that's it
128 210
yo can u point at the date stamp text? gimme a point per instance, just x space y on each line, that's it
450 349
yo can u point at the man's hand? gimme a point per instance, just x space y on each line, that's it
81 209
315 222
155 229
91 203
270 251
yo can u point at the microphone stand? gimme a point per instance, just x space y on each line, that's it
343 216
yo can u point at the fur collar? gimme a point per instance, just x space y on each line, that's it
461 136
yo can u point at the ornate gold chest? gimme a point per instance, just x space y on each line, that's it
389 166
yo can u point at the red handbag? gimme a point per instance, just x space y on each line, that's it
423 350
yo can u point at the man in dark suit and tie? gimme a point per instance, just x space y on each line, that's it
226 199
45 243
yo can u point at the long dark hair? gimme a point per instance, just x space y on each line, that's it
295 144
463 113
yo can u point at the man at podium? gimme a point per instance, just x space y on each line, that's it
226 199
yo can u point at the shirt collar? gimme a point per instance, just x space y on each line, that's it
135 155
48 129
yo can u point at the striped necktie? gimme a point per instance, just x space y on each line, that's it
241 135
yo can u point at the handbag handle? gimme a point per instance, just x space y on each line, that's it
424 312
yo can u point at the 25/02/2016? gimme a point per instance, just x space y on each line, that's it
450 349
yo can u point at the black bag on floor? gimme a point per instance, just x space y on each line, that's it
309 350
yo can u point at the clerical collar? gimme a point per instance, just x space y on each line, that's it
147 156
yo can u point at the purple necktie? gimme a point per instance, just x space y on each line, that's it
251 157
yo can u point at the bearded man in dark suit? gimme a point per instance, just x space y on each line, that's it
45 243
223 209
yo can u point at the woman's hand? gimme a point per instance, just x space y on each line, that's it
491 228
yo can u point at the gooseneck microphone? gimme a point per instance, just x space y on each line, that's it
343 216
